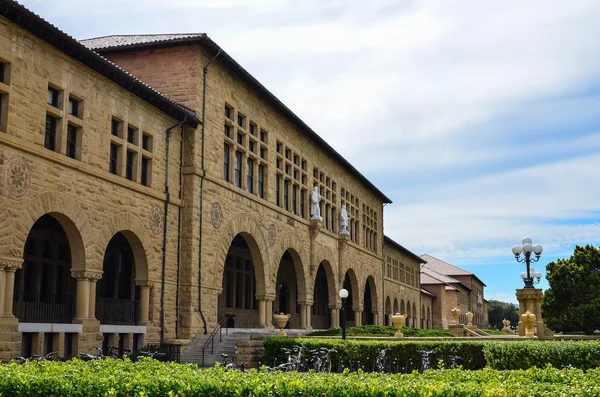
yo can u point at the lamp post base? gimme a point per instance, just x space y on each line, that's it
530 299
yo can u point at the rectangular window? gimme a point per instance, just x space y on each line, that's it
294 198
50 133
302 198
114 158
238 169
228 111
52 97
262 152
115 127
250 176
252 146
73 107
3 112
262 135
2 71
129 165
240 138
261 181
71 141
227 131
240 120
252 129
286 188
226 163
146 142
278 190
131 135
145 171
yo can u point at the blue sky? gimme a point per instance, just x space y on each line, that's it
480 120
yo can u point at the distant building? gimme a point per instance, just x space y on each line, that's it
453 287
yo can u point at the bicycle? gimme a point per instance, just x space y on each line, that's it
115 352
91 357
153 355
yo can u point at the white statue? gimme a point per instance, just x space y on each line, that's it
315 209
344 221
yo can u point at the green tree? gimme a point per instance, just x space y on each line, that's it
572 303
498 311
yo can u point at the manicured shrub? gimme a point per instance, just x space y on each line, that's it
151 378
378 330
510 355
406 354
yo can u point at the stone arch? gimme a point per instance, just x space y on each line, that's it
331 281
409 314
250 229
415 313
291 243
388 310
396 307
356 290
136 234
71 217
374 293
402 307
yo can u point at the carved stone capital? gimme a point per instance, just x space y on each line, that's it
11 264
86 275
144 284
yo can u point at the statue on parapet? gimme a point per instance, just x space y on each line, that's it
315 207
344 220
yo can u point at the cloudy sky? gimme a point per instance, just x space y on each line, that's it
479 119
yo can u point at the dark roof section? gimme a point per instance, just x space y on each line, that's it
425 292
416 257
446 268
121 43
44 30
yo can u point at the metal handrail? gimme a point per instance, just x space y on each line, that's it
211 339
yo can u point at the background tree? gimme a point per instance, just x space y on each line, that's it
498 311
572 303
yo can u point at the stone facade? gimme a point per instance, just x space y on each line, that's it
90 203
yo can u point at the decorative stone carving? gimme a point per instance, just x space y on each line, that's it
506 328
344 220
216 215
156 220
11 265
86 275
272 234
16 177
144 284
528 319
315 208
281 321
455 314
398 320
469 316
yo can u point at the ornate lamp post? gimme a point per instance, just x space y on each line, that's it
527 249
343 295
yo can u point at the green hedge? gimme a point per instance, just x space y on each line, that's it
151 378
510 355
501 355
378 330
406 354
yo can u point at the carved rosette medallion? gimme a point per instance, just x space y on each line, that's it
272 235
156 220
216 215
16 177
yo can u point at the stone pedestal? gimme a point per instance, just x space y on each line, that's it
10 337
90 337
531 299
457 329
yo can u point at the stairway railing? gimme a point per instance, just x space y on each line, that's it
211 338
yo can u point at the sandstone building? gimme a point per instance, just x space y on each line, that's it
151 188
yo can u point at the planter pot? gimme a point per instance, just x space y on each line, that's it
528 319
455 313
398 322
469 316
281 321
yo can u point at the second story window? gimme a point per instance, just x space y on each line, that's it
132 135
261 181
71 141
50 133
52 97
129 166
226 163
115 127
228 111
238 169
114 159
250 176
145 180
73 107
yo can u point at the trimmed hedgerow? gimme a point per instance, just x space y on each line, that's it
151 378
506 355
362 354
378 330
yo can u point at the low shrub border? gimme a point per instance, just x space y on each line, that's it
378 330
470 354
501 355
151 378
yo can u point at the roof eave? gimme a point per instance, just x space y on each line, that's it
47 32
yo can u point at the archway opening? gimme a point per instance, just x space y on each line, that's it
367 318
429 325
388 310
238 300
396 306
349 309
321 316
118 298
44 290
409 314
422 316
288 288
414 317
